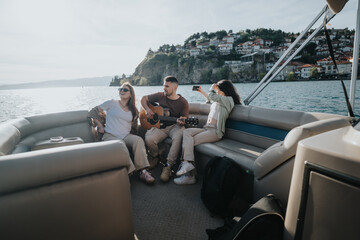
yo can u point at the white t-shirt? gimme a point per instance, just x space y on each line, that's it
118 122
214 111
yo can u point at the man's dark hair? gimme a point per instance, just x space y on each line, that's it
171 79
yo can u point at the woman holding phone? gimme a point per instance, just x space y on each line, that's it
223 96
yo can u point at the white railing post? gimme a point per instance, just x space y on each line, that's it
355 62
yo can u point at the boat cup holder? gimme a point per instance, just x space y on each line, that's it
57 141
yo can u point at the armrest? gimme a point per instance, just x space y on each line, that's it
282 151
32 169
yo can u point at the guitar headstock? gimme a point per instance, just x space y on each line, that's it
191 122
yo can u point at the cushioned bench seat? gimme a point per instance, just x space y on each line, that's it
242 153
263 142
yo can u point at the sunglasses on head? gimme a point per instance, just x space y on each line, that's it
123 89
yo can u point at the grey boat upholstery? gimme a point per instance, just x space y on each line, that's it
71 192
264 142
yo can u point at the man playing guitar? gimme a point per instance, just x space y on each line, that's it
178 107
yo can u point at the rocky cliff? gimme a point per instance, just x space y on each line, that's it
154 68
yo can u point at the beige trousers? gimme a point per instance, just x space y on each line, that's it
136 145
196 136
154 136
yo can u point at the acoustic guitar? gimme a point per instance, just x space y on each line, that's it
159 116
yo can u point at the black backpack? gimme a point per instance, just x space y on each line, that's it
262 221
221 183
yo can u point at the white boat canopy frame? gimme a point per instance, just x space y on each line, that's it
355 58
330 14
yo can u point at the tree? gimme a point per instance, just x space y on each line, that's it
314 72
204 35
290 76
172 48
221 34
310 49
261 75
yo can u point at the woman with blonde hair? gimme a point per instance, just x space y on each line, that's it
121 116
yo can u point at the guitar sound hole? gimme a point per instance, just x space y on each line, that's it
154 119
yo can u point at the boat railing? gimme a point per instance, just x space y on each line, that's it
266 80
355 63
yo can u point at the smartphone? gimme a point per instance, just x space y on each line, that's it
195 88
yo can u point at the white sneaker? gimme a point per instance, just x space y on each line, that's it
185 179
184 168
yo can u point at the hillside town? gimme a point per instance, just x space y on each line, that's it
261 54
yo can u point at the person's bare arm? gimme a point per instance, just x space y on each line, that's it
145 104
200 90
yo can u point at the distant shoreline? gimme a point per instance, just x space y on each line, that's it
36 86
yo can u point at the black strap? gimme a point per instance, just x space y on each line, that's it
328 40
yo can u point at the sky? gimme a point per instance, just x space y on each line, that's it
44 40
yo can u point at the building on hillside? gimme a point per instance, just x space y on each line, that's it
225 48
279 51
268 66
265 49
194 52
179 49
322 50
244 48
305 70
290 67
347 49
229 39
256 60
214 42
203 46
268 43
258 41
344 67
235 35
235 66
324 61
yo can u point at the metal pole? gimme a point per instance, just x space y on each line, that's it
330 15
246 102
355 58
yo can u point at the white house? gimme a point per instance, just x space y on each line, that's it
194 51
279 51
203 46
344 67
225 48
259 41
305 70
268 42
229 39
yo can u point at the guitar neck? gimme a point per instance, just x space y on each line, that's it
168 119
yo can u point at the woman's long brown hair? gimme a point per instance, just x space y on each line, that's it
132 101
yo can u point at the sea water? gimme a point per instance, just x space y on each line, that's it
312 96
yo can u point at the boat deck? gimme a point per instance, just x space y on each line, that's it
169 211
